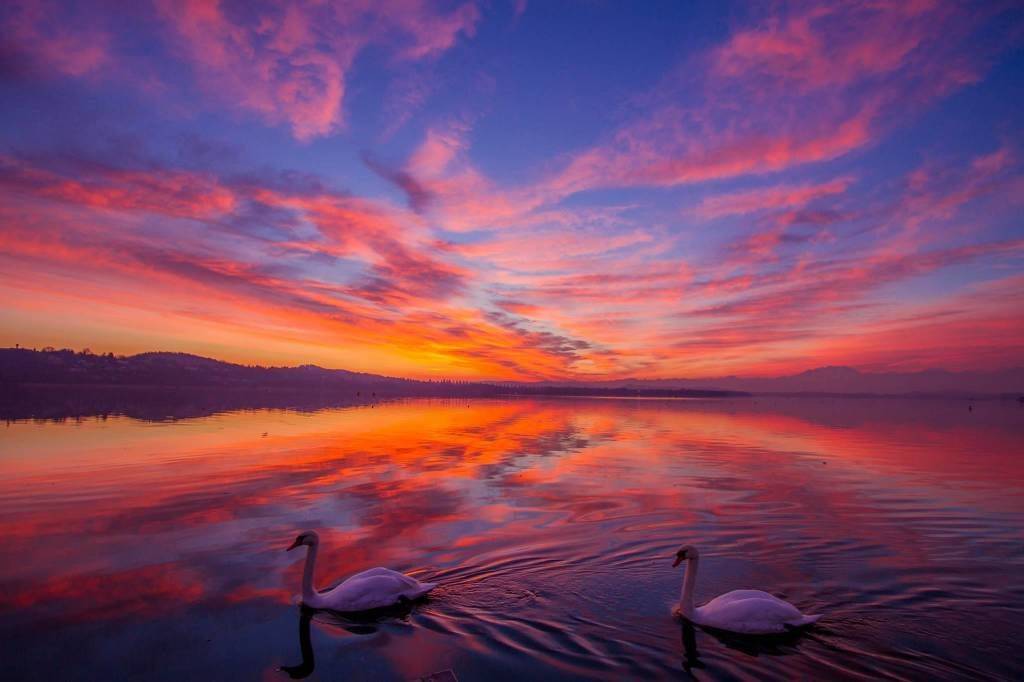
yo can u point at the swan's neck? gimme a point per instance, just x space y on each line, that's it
309 593
686 595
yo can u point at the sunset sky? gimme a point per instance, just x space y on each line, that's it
521 190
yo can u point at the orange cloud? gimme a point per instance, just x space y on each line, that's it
165 192
401 304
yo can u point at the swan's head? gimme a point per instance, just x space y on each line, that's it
684 553
309 538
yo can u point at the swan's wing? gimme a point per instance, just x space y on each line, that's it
737 595
753 615
370 572
374 589
373 571
410 582
362 593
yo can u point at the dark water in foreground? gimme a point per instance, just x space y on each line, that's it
154 550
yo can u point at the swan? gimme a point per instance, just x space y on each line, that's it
748 612
372 589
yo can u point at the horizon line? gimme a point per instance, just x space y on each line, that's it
87 350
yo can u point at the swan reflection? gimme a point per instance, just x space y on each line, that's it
305 668
691 657
364 623
781 644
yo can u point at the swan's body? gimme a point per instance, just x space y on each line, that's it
748 612
375 588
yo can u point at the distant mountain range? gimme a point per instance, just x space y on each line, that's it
21 366
63 367
849 381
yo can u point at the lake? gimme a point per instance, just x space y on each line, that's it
154 549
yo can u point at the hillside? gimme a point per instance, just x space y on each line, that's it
19 365
182 370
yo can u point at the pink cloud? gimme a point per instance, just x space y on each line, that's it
269 64
664 151
161 191
988 314
768 198
936 192
56 38
405 95
539 250
290 65
805 87
431 32
395 261
798 297
461 197
673 143
825 46
438 150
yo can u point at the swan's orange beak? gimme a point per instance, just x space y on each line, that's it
298 541
678 561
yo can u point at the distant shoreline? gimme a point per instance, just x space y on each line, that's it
159 403
501 391
183 371
498 390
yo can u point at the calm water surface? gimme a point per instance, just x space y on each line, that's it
134 549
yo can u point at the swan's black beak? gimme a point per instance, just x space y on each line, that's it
298 541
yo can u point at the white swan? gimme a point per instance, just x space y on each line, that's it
749 612
372 589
